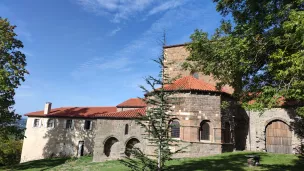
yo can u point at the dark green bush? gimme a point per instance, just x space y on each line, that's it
10 152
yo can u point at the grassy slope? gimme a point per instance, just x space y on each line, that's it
229 161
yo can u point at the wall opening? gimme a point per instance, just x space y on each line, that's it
278 137
126 129
175 129
108 145
130 145
204 131
80 148
227 133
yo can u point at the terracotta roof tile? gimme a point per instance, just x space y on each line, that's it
74 112
133 102
190 83
124 114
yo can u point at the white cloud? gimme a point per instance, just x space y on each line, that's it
145 47
165 6
113 32
117 64
123 9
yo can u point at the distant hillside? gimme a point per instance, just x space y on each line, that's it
22 122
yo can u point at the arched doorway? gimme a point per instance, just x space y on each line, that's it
133 142
108 145
278 137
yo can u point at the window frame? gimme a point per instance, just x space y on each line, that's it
34 123
47 123
201 131
175 129
84 125
71 125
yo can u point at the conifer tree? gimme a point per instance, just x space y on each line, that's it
156 123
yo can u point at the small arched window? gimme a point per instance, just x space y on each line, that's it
50 123
126 129
227 133
175 129
204 131
195 74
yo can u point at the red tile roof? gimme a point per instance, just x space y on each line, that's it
190 83
124 114
75 112
133 102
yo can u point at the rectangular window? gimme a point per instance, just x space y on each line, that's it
69 124
50 123
87 125
36 122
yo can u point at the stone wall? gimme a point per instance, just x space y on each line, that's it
192 108
108 129
175 56
42 142
258 123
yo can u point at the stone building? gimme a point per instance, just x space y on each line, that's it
200 122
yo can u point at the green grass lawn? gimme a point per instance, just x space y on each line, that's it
235 161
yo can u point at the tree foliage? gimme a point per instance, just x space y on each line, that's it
10 151
260 52
156 124
12 72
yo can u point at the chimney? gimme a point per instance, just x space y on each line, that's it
47 108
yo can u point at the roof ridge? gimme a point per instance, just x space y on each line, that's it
191 83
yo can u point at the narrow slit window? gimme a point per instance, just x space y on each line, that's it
126 129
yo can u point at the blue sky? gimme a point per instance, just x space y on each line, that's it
97 52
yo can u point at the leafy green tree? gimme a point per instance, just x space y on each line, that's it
156 124
10 151
12 72
259 52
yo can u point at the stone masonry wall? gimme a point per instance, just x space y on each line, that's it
175 57
192 109
256 136
107 129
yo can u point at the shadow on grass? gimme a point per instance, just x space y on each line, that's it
40 164
236 162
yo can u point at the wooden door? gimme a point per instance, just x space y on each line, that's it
278 137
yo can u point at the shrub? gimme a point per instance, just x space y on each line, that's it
10 152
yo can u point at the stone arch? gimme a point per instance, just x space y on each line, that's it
204 130
278 136
130 144
276 119
110 146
